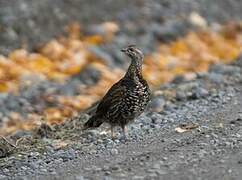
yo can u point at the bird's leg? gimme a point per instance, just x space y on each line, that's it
112 132
124 131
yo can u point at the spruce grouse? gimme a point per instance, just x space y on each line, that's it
126 99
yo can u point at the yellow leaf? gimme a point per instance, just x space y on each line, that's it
95 39
41 64
3 87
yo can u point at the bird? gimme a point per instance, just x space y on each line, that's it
126 99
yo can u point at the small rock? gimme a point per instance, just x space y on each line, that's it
93 151
161 171
156 166
3 176
169 30
215 78
97 169
152 176
107 173
136 177
184 78
43 170
79 177
180 96
90 134
65 155
145 120
5 170
169 107
115 168
197 20
199 93
114 151
157 104
225 69
156 118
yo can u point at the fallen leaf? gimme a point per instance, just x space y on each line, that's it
186 127
180 130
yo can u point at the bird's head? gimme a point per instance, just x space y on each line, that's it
133 52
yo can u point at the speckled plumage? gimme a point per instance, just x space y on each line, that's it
126 99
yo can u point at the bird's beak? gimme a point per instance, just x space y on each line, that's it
124 50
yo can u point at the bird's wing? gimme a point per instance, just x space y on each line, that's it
112 98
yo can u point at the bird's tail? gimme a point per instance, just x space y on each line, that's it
93 122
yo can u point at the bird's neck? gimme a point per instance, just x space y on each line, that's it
135 69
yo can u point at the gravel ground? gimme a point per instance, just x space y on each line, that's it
208 106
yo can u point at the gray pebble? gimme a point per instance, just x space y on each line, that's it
114 151
215 78
157 104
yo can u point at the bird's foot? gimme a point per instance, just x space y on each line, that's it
123 138
124 134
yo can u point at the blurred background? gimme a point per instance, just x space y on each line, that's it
59 57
